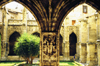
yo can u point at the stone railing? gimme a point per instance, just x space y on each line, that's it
19 22
32 22
14 22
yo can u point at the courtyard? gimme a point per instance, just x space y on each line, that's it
68 30
36 63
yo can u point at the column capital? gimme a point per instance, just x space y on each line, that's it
83 20
99 12
83 43
98 41
91 43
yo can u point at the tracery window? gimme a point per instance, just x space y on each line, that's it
84 9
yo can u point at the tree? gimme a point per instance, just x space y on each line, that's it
27 46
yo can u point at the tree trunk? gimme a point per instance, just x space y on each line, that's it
26 61
32 59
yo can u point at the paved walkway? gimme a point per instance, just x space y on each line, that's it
35 60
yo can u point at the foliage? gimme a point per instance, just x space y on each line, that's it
27 46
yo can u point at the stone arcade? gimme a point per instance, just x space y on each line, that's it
50 15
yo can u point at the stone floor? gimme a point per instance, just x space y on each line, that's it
35 60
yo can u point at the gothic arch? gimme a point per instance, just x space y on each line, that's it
0 45
60 44
27 5
36 33
67 10
11 32
12 40
72 42
51 18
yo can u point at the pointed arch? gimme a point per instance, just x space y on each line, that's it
60 44
0 45
12 40
72 41
30 5
36 33
67 8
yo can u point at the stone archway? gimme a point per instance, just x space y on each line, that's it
12 40
60 44
0 45
37 34
72 41
50 13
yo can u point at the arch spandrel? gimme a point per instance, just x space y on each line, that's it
51 13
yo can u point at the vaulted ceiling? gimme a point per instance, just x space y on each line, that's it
51 13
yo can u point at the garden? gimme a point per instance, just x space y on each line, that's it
27 46
23 63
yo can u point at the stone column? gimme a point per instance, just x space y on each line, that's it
66 54
24 20
83 53
98 52
98 37
4 43
91 50
91 60
98 26
66 40
49 49
83 39
78 51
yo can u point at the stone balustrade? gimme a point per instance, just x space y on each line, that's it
20 22
14 22
32 22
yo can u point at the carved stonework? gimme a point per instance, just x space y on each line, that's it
49 49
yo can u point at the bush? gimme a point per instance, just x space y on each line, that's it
27 46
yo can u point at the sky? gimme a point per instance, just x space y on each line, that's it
14 4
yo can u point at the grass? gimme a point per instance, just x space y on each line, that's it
20 63
69 63
9 63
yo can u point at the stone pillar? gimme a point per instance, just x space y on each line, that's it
78 51
98 52
98 37
91 60
98 26
83 53
49 49
83 39
66 54
4 43
66 40
24 20
91 45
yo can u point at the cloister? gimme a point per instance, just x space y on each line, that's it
49 15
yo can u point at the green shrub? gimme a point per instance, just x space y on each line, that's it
27 46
